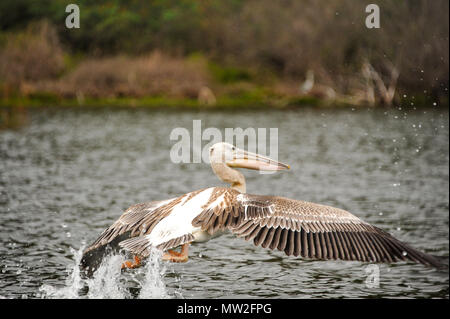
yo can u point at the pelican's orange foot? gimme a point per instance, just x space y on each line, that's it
177 257
130 264
173 253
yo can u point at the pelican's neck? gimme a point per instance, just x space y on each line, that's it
229 175
239 186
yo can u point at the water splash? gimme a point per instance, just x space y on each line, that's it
109 282
73 282
153 285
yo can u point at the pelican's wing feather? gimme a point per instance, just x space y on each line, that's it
173 227
139 219
135 227
305 229
142 245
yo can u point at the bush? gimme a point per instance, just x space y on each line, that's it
32 55
154 74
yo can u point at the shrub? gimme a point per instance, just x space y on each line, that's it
32 55
154 74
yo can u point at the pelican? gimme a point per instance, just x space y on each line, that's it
298 228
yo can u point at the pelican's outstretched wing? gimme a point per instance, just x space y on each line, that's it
304 229
136 220
161 224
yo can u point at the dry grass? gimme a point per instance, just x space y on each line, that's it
31 56
33 61
150 75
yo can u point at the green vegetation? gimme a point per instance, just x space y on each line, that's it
226 75
222 53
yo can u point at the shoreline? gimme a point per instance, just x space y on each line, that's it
223 102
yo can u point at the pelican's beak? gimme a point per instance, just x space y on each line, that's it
244 159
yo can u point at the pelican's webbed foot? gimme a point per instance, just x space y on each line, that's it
177 257
131 264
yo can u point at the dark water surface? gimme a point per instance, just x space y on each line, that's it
68 174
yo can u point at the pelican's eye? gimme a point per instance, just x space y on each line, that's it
233 148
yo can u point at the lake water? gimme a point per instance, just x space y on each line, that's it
65 175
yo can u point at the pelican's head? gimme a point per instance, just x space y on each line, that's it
224 157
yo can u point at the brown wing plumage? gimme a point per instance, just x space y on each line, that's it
305 229
137 220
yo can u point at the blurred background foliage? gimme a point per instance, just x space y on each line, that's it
270 48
